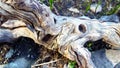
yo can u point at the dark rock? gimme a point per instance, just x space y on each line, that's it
100 60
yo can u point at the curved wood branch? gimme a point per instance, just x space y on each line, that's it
67 35
12 29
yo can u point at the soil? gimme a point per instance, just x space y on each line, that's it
26 48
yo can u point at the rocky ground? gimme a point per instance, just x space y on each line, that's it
90 8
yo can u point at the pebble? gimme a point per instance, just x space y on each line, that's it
96 8
9 53
75 10
110 18
19 63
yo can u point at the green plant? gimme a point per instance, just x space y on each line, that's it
88 6
89 46
99 2
114 10
71 64
51 4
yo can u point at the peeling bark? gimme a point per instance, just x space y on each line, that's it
67 35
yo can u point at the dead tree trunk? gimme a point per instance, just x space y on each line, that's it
67 35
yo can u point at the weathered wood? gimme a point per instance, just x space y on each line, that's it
67 35
12 29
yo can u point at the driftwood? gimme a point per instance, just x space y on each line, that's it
67 35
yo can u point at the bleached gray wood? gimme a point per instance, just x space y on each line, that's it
67 35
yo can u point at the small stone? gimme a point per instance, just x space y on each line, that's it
75 10
96 8
9 54
19 63
110 18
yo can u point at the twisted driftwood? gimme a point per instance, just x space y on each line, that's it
67 35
